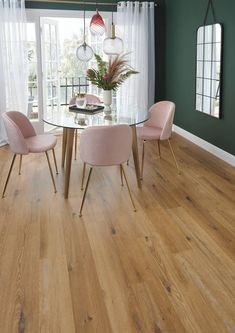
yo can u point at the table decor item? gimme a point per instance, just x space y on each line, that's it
109 75
88 109
80 100
107 100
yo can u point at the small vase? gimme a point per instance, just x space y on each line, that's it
107 99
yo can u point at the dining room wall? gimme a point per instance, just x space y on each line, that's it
176 26
183 17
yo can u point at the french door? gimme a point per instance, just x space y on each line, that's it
44 43
50 65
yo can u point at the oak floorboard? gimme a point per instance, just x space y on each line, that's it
167 268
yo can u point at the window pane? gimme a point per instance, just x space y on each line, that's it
217 33
206 105
207 69
199 102
200 50
32 111
199 69
199 86
216 51
208 33
200 35
207 88
208 52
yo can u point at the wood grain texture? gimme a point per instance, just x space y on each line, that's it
167 268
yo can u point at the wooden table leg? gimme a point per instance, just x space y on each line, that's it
64 144
136 155
69 152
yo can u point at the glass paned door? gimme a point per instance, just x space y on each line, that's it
32 60
50 63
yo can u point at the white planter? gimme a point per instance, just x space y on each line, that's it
107 99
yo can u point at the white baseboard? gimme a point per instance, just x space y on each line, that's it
218 152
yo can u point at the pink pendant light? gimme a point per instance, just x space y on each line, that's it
97 26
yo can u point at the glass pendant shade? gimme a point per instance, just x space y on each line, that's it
97 26
113 45
84 52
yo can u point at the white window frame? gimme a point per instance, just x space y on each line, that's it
34 15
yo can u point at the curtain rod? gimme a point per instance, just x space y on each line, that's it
82 2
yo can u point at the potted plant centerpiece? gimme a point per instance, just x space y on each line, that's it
109 75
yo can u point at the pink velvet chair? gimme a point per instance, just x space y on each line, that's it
105 146
24 140
158 127
91 99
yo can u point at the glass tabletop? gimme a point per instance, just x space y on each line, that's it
66 118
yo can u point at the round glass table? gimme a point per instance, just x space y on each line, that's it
71 120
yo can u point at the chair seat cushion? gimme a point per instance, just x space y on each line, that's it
41 143
149 133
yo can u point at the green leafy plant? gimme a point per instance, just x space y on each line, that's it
110 75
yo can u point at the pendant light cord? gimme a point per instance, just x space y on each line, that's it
84 25
112 12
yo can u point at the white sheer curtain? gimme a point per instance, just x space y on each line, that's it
135 25
13 59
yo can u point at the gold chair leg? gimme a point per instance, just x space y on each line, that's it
128 188
159 148
56 169
121 175
20 165
173 156
8 176
49 164
76 143
83 175
136 155
142 162
64 146
84 195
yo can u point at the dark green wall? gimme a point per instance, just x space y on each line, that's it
182 20
160 42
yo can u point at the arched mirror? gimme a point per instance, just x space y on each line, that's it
208 69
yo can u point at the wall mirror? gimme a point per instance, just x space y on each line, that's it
208 69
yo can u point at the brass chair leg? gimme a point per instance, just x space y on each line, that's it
84 195
83 175
20 165
142 162
121 175
64 146
128 188
49 164
159 148
8 176
76 143
173 156
56 169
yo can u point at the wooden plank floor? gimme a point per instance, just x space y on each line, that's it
167 268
